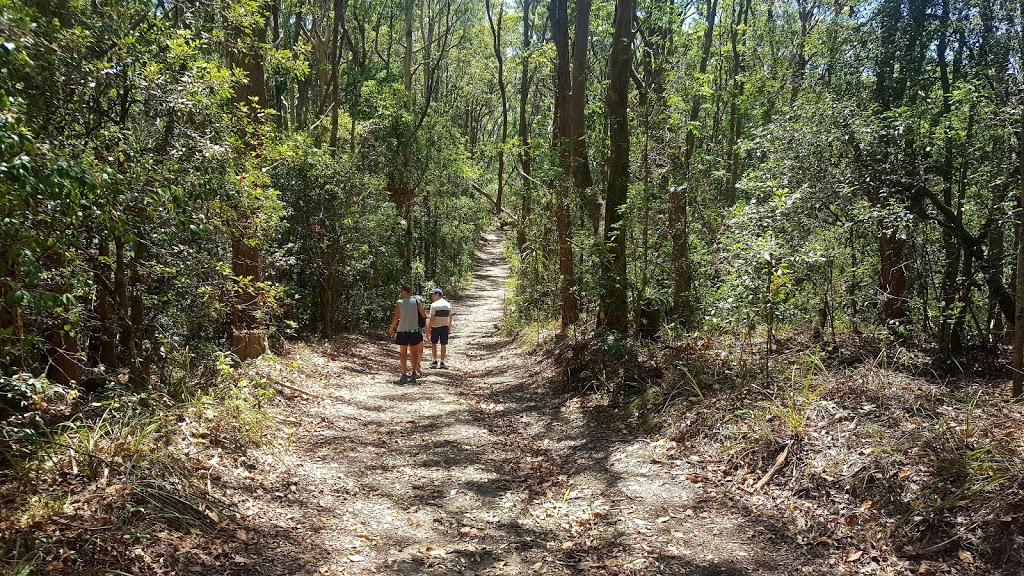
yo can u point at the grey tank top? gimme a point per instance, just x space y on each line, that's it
408 315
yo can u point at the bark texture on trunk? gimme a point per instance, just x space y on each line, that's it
248 337
614 300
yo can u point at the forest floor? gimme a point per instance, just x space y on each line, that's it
479 469
492 467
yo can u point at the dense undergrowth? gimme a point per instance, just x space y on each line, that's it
118 482
862 446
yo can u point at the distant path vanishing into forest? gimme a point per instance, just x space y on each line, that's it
480 470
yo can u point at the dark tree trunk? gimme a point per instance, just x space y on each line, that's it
614 303
107 345
525 155
498 49
893 277
138 369
64 366
561 142
248 338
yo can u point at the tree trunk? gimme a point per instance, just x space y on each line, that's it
64 365
951 248
10 312
498 48
248 339
1018 324
107 345
138 369
682 268
614 301
525 155
738 34
893 277
339 8
561 142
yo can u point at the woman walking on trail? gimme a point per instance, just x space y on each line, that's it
408 311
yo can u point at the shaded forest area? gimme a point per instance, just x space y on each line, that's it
732 220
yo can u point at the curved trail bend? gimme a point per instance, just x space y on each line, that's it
477 470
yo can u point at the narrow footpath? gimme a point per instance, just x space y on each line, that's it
479 469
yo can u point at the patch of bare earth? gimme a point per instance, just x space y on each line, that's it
477 470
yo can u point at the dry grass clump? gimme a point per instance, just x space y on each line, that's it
88 483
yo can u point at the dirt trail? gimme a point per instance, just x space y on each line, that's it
479 470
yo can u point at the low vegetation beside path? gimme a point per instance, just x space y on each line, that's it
861 450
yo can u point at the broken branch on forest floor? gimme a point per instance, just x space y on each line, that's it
297 389
773 470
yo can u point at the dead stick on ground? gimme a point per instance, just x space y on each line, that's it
297 389
774 469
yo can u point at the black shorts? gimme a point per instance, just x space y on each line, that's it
408 338
439 335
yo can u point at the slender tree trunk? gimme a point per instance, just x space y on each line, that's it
498 48
890 88
805 11
614 299
561 142
105 312
407 55
138 369
525 155
339 10
405 194
583 179
951 248
1018 324
64 365
682 268
737 36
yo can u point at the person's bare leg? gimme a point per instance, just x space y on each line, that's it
403 353
417 355
444 350
433 352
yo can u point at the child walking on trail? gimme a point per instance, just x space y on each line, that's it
439 326
405 328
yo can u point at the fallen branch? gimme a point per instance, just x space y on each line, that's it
297 389
774 469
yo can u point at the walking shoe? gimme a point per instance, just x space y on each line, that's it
403 379
442 364
412 378
433 363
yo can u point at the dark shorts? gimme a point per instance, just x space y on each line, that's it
439 335
408 338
